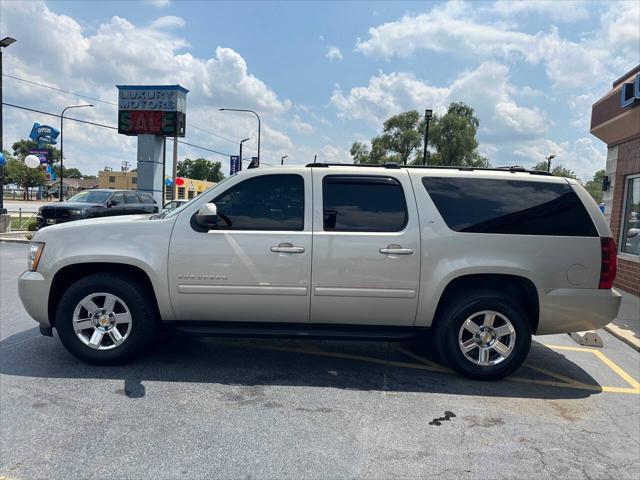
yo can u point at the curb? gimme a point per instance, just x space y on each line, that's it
625 336
14 240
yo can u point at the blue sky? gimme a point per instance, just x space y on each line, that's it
324 74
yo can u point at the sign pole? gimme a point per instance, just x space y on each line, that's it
175 167
164 168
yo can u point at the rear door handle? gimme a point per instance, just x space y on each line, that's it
394 249
287 248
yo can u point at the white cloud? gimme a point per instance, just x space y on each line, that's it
487 89
55 50
333 53
457 28
168 22
582 156
300 126
563 11
158 3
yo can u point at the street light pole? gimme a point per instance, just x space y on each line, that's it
257 116
241 142
282 159
427 118
548 159
4 43
60 196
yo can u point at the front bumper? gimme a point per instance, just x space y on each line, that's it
42 222
33 290
564 310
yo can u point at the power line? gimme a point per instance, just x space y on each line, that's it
111 127
113 105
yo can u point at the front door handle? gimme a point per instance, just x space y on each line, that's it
394 249
287 248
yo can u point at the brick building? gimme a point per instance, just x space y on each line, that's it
615 119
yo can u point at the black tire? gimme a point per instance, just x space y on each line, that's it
458 310
138 298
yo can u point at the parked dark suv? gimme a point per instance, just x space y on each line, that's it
97 203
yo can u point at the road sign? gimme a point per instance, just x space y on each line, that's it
234 164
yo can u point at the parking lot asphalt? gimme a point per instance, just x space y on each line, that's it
239 408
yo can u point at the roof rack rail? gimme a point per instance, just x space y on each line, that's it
393 165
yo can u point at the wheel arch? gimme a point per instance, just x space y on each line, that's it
518 287
69 274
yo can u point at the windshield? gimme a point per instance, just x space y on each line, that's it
90 197
176 211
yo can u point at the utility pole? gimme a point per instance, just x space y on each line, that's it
60 191
241 142
548 159
175 168
125 166
4 43
427 118
248 111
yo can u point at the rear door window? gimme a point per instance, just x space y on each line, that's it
516 207
131 198
360 203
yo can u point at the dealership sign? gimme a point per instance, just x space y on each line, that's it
43 134
156 110
630 93
41 154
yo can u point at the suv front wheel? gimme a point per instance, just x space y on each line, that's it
106 319
483 334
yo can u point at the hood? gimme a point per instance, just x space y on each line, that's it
89 225
70 205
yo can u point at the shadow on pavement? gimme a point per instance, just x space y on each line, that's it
372 366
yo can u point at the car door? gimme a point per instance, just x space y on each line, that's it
148 203
366 248
132 203
117 205
256 265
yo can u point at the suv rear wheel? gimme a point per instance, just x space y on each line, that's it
106 319
483 334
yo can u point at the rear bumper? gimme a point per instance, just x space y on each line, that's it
565 310
33 290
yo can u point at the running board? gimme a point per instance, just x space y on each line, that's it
295 330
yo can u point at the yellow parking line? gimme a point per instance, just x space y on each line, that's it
434 365
565 382
635 386
568 380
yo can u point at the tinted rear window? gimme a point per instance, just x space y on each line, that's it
483 205
363 204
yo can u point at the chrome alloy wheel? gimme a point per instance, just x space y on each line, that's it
486 338
102 321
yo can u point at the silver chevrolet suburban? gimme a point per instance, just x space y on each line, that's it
483 258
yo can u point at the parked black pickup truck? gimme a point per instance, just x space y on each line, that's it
96 203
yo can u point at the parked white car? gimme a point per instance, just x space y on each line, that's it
483 257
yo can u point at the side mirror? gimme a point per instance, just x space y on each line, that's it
207 216
111 203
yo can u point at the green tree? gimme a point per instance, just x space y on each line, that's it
401 136
360 153
200 169
17 172
21 149
558 170
454 137
68 172
594 186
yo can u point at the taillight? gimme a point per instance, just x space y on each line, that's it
608 262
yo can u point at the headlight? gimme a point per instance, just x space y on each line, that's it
76 212
35 252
